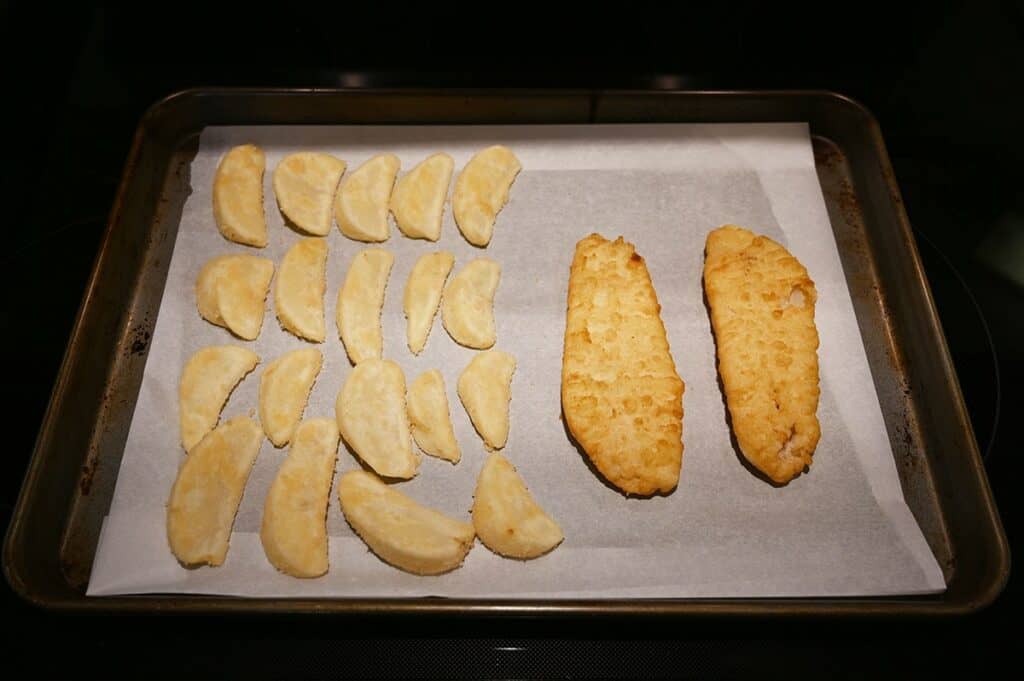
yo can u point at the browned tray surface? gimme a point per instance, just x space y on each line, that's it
52 539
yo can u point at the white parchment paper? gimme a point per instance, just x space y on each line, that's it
843 529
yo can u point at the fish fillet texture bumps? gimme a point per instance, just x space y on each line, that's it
762 311
621 395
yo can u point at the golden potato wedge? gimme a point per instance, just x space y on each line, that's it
485 388
207 491
467 308
430 419
423 295
372 418
208 379
284 390
231 291
299 290
482 190
294 527
418 199
505 515
360 301
238 196
305 184
401 532
361 205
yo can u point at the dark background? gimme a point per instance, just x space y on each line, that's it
944 81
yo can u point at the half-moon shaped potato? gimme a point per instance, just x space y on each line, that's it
304 184
238 196
423 295
360 301
373 420
207 491
482 190
418 200
467 309
430 419
299 291
505 515
208 379
401 532
485 388
284 390
361 206
231 291
294 529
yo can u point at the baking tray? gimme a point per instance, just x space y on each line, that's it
52 539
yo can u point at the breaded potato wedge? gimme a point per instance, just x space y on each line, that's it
299 290
482 190
231 291
207 491
361 205
430 418
467 308
423 295
372 418
284 389
485 388
360 301
305 184
294 527
238 196
418 199
762 311
621 394
401 532
206 382
505 515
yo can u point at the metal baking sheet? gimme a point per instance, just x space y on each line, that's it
860 260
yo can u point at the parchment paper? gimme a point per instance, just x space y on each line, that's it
842 529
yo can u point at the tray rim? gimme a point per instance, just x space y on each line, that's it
717 607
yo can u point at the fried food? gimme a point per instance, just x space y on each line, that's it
305 184
762 311
423 295
361 205
418 200
485 388
360 302
482 190
207 491
238 196
231 291
401 532
467 308
299 290
505 515
284 390
206 382
294 527
621 395
430 418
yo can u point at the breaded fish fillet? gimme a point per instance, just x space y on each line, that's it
762 311
621 395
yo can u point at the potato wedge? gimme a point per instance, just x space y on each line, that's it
305 184
467 308
505 515
238 196
423 295
284 390
206 382
373 420
231 291
361 205
401 532
294 527
299 290
207 491
485 388
360 301
430 418
418 199
482 190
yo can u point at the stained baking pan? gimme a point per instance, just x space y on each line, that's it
52 539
